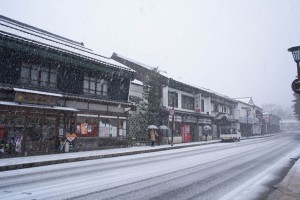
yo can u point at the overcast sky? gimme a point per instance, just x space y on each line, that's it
234 47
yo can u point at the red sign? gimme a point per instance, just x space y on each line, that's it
185 131
2 131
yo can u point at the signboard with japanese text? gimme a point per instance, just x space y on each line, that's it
23 97
172 112
198 103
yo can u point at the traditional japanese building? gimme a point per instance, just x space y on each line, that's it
250 117
223 110
51 86
192 108
192 105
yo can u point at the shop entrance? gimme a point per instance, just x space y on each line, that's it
41 133
32 132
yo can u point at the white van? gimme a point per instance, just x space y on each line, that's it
231 135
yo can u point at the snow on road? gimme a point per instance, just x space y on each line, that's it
164 173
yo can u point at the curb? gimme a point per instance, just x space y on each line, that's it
84 158
68 160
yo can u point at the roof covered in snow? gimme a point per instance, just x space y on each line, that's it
178 79
72 97
134 61
37 92
23 32
8 103
137 82
247 100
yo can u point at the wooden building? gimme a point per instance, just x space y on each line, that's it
51 86
191 103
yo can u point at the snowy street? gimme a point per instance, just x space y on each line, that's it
150 100
241 170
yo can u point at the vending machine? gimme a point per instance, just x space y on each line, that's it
185 131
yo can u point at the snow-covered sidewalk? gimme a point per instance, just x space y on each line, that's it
289 187
41 160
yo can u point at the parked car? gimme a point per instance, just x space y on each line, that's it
231 135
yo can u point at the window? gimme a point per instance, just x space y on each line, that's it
39 76
53 78
108 128
216 107
34 75
87 127
224 110
188 102
25 74
170 99
202 105
44 77
92 85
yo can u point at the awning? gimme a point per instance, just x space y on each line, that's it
194 114
37 92
8 103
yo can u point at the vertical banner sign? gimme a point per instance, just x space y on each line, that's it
198 103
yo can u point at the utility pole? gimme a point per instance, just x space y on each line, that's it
173 115
247 117
247 122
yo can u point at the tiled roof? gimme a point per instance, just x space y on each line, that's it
165 74
23 32
84 98
247 100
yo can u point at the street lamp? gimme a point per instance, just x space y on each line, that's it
296 55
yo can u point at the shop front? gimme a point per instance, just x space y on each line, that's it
204 132
32 129
32 123
189 126
97 131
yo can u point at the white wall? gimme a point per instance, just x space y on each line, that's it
165 100
165 96
242 112
207 105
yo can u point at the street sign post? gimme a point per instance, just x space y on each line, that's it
172 112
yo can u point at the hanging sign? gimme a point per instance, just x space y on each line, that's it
198 103
22 97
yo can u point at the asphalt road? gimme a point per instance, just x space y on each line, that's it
241 170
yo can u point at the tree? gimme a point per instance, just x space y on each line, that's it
283 113
149 108
272 109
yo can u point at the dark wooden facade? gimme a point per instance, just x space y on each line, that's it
37 114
